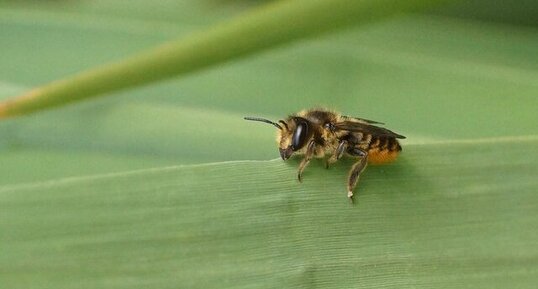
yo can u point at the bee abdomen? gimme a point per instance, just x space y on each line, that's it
383 143
383 150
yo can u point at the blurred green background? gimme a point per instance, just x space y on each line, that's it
452 73
458 210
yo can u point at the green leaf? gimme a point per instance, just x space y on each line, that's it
446 215
253 32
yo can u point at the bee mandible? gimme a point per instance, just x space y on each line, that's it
320 132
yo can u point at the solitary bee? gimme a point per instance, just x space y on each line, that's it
319 132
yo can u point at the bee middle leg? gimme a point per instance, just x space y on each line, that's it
338 152
356 171
307 157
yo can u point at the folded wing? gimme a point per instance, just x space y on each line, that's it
366 127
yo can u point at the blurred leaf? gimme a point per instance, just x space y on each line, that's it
430 78
521 12
247 34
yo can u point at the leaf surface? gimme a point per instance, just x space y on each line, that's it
451 216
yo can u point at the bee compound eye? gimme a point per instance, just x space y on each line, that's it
299 135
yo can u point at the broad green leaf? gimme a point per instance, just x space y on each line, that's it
454 215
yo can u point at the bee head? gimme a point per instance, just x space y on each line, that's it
292 134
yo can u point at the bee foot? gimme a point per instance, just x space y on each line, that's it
350 195
300 178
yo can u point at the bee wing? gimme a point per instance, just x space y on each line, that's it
366 128
362 119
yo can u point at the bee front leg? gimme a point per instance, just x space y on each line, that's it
338 152
355 172
307 157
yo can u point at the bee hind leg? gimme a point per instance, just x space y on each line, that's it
307 157
338 152
356 171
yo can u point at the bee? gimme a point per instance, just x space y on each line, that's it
318 132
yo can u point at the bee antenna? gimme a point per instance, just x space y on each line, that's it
285 124
263 120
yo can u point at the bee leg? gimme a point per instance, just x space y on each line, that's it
356 171
307 157
338 152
